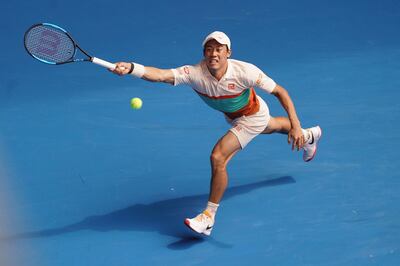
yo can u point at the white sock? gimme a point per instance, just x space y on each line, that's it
307 135
212 208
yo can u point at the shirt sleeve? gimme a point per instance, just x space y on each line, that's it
183 74
257 78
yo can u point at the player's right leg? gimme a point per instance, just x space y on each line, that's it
223 151
202 223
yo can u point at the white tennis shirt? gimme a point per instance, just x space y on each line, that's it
234 93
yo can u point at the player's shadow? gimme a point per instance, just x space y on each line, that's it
165 217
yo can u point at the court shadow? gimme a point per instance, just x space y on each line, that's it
165 217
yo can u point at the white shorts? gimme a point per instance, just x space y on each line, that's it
247 128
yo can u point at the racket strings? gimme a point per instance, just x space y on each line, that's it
49 44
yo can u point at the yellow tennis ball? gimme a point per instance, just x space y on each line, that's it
136 103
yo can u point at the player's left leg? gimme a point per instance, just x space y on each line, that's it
223 151
278 125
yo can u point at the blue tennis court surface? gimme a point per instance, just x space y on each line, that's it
86 180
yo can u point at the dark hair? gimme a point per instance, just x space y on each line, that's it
204 48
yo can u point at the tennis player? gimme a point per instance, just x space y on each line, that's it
227 85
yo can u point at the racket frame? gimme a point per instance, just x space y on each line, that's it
89 58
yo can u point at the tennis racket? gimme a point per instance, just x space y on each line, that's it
53 45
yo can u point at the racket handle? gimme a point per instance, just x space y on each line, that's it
102 63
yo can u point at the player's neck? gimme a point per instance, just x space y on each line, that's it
218 73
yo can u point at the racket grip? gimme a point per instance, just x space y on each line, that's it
103 63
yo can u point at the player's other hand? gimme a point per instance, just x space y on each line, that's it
296 138
122 68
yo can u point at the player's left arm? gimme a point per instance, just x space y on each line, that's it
295 134
259 79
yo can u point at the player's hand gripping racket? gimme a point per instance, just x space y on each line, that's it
52 44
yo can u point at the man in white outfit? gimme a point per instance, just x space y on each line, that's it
227 85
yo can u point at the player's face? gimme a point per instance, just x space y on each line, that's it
216 55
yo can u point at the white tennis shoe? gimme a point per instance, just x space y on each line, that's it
310 149
202 223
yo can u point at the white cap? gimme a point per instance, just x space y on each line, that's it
220 37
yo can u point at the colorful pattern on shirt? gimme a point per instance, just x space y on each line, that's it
233 94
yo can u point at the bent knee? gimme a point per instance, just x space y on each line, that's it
217 158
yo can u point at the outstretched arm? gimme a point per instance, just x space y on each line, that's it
295 134
150 73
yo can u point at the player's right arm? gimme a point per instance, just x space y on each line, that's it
150 73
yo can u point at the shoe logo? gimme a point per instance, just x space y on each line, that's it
208 227
312 138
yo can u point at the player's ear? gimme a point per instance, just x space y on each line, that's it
229 53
